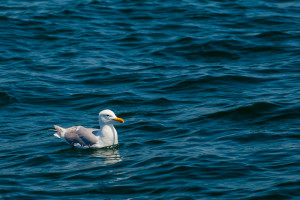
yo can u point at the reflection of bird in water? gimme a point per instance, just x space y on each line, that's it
89 158
81 137
110 155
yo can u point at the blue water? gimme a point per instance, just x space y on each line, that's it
209 91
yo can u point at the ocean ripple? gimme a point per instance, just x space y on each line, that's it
208 91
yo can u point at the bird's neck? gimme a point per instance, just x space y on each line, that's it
108 134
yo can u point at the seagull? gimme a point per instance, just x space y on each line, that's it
81 137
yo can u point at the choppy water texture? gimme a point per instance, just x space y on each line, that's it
209 91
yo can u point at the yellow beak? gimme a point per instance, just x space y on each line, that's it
119 120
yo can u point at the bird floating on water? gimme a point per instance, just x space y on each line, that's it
81 137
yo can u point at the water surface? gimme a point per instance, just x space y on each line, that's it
209 91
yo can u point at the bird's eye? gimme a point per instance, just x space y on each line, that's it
107 115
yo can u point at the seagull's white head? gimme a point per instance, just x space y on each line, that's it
108 117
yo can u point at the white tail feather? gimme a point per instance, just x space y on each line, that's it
60 131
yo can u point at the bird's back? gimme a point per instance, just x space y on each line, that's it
77 135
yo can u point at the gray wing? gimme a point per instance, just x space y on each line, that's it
86 135
72 137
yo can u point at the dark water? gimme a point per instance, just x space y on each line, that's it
209 91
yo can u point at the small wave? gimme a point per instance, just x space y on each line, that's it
6 99
150 127
222 49
160 102
155 142
251 137
214 80
273 35
249 111
286 114
107 80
